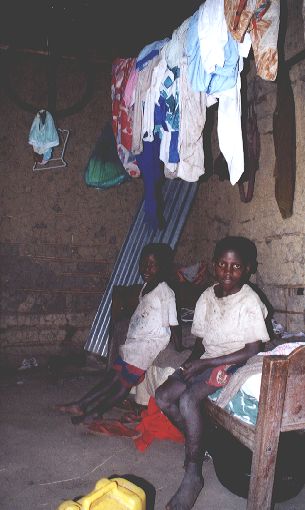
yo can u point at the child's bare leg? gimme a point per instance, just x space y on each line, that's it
95 404
78 407
167 398
192 483
73 409
190 488
116 394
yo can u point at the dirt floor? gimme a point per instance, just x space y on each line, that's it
46 460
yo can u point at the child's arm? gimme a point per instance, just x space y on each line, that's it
194 367
176 337
125 299
197 351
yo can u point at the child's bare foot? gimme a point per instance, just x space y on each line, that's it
189 490
72 409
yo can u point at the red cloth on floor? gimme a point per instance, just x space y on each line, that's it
111 428
155 425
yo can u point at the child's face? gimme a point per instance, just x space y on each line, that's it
230 272
149 268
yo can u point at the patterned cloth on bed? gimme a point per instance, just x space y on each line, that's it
244 405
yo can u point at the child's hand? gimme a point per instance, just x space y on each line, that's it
191 368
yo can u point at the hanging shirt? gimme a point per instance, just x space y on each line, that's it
121 121
129 92
175 48
152 98
142 86
222 77
167 118
192 106
148 52
43 135
261 19
212 34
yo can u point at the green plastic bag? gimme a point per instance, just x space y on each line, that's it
104 168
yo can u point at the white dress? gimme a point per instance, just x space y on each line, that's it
149 328
227 324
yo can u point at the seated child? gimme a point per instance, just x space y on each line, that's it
229 323
149 332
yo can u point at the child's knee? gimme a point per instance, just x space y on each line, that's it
159 397
187 403
162 398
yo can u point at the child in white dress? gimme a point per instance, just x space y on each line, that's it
150 329
229 323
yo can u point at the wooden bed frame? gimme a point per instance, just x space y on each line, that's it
281 404
281 409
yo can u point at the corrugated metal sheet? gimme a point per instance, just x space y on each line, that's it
178 196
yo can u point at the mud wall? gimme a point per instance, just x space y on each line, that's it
60 239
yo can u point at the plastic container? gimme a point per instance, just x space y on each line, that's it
114 494
232 462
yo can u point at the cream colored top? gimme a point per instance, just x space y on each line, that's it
227 324
149 328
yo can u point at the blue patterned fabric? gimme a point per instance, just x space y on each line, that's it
178 196
242 405
149 52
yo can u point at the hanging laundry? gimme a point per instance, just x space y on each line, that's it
229 131
284 137
167 118
149 52
43 136
192 107
261 19
251 151
175 49
222 77
129 92
215 63
212 34
142 86
121 121
151 99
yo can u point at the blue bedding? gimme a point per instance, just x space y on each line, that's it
243 406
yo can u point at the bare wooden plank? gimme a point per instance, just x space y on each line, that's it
294 405
271 403
244 432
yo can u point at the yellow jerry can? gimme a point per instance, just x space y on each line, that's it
114 494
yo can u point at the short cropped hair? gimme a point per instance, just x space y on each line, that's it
164 256
245 248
